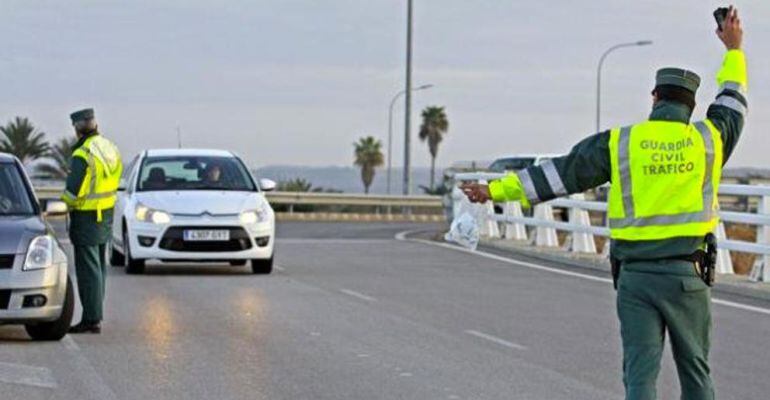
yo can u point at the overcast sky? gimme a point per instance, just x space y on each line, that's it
297 81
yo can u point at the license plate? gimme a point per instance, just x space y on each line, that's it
207 235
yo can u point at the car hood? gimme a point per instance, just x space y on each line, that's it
16 233
197 202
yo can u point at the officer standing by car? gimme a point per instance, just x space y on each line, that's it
663 204
95 170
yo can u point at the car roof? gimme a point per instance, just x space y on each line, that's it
6 158
189 152
528 156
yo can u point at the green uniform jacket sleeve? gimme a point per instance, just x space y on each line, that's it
586 166
75 179
728 111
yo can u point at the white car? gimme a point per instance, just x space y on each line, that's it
182 205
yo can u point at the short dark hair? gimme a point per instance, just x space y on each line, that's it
676 94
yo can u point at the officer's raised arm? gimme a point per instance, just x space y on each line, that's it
728 111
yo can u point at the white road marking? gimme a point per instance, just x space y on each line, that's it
402 236
87 373
333 241
279 268
405 374
18 374
741 306
495 339
357 295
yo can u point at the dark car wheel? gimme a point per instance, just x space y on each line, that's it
262 266
55 330
133 266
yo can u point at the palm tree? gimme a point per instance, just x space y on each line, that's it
23 140
60 154
433 129
368 154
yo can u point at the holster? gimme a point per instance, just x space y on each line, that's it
615 269
705 260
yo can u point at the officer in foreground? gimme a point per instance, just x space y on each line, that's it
90 194
665 175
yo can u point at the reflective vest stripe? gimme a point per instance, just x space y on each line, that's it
553 178
731 103
624 163
630 220
529 185
103 195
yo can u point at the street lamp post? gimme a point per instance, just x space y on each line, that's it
390 128
408 101
599 74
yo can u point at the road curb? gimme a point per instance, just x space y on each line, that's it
735 285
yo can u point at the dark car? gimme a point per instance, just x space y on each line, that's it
35 289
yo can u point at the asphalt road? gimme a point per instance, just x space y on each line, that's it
352 313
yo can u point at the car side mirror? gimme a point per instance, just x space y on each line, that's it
55 207
267 185
122 185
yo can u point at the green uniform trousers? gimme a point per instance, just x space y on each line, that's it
655 297
91 270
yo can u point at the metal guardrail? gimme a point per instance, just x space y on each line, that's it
290 199
348 199
582 232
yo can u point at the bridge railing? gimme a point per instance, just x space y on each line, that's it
293 202
512 224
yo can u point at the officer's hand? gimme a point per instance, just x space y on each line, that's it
476 193
731 34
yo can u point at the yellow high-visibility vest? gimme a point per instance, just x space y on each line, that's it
665 179
100 184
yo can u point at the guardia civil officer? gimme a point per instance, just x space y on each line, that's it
665 175
92 183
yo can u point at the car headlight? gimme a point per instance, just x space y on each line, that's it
147 214
39 253
253 216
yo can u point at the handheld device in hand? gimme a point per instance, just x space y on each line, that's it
720 14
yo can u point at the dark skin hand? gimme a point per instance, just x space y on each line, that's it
476 192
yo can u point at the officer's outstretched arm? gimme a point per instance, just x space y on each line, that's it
728 111
586 166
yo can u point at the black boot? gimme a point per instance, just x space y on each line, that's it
87 327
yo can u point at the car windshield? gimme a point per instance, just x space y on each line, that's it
194 173
511 164
14 198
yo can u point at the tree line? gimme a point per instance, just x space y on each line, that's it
21 138
368 149
27 143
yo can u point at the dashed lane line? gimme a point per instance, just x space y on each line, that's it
495 339
27 375
403 237
357 295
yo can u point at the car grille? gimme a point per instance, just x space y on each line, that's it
5 297
6 261
173 240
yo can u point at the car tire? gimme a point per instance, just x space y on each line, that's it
57 329
117 259
133 266
237 263
262 266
